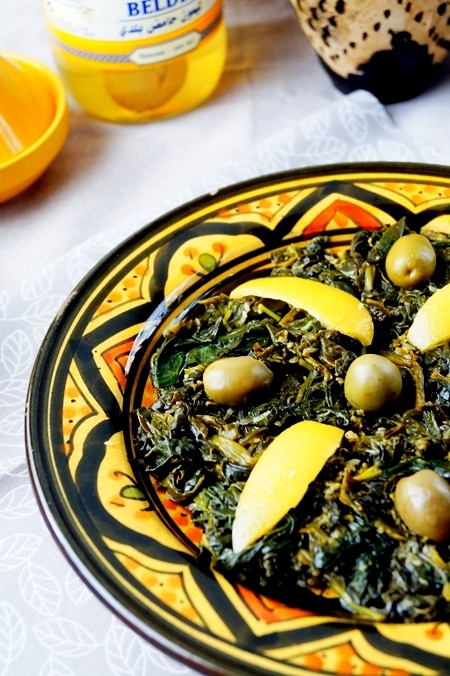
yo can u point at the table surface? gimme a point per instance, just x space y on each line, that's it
109 175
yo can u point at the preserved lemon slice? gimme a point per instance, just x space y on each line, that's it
147 87
431 325
281 477
439 224
334 308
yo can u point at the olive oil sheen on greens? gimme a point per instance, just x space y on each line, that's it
137 61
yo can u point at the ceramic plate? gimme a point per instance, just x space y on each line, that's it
138 557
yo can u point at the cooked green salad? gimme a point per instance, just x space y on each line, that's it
371 534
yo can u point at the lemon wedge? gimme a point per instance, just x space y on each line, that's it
431 325
281 477
440 224
334 308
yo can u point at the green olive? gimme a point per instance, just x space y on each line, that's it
410 261
232 380
371 382
422 501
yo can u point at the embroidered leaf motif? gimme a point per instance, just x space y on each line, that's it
327 149
64 637
316 126
364 150
40 589
77 590
12 392
124 652
397 150
16 353
354 121
37 285
12 426
55 667
16 549
15 466
43 309
79 263
12 636
18 502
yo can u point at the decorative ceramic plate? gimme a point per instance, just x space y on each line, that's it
136 550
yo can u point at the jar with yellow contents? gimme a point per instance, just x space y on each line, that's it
141 60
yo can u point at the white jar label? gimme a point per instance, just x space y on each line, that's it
138 31
116 20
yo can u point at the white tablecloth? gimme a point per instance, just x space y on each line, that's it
275 109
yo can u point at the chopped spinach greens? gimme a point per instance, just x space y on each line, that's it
345 539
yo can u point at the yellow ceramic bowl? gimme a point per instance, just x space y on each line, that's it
40 125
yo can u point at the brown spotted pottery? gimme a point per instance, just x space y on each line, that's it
393 48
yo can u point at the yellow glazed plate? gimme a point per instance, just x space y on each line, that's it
136 550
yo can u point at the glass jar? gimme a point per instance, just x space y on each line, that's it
138 61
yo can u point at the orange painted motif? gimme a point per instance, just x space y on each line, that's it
343 660
116 359
167 587
128 289
149 395
180 515
435 633
314 662
201 263
267 207
219 247
188 270
340 209
417 193
268 610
